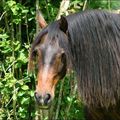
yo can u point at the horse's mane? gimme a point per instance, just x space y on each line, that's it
32 53
94 44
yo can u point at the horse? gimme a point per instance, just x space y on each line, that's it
90 41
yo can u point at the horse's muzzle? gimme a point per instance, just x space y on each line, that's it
43 100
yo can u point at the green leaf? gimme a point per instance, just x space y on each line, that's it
25 100
31 93
17 45
1 85
4 36
21 109
26 46
30 18
20 93
17 21
25 87
11 3
20 82
22 57
12 59
69 99
22 112
25 11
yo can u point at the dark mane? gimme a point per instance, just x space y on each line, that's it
32 50
38 38
95 38
94 48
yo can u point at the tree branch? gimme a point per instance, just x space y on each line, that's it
63 8
84 6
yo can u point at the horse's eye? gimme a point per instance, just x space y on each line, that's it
34 53
63 61
63 57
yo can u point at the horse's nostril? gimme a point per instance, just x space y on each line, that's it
47 98
37 96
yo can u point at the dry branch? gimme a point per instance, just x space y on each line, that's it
63 8
85 4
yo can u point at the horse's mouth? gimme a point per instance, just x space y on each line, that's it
44 107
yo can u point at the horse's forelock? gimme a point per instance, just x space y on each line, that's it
34 44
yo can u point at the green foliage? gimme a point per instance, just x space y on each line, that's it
105 4
71 105
16 10
17 30
16 93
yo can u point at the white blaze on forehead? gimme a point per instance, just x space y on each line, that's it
48 57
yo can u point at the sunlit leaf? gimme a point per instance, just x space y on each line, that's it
25 87
25 100
3 36
31 93
20 93
25 11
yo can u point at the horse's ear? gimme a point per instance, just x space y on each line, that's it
41 20
63 24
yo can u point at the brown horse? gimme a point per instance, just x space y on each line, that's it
91 41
